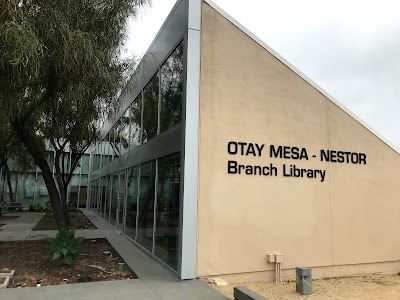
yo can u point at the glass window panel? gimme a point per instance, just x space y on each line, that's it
146 205
114 196
98 196
109 196
171 90
85 164
114 142
93 197
121 201
104 161
95 159
150 108
124 132
131 205
167 222
117 140
105 149
110 144
103 195
78 167
102 154
136 122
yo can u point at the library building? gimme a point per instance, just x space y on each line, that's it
225 160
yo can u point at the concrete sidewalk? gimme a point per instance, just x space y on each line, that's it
22 229
155 282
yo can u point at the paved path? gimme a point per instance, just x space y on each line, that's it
19 229
154 283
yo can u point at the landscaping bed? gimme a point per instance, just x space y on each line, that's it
366 287
77 220
31 263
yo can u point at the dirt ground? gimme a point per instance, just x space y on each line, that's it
369 287
30 261
77 220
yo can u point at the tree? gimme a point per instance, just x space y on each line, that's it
59 73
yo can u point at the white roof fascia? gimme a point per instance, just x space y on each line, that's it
298 72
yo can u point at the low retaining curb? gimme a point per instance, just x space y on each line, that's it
4 285
243 293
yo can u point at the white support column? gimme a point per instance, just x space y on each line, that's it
190 160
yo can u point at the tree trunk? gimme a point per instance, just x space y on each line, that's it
63 194
33 148
7 171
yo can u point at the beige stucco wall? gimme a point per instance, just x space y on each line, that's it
247 95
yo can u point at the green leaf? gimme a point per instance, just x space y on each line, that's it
74 250
64 251
68 259
57 255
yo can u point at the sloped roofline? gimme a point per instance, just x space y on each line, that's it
298 72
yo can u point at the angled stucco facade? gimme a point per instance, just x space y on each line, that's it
344 223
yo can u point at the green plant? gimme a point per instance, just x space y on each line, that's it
72 206
64 246
47 206
36 207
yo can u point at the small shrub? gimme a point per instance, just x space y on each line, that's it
72 206
36 207
64 246
47 206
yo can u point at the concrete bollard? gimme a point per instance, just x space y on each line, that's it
303 281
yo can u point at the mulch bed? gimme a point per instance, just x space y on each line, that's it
31 263
77 220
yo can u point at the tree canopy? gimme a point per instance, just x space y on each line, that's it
60 72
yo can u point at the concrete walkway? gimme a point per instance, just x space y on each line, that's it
21 229
154 283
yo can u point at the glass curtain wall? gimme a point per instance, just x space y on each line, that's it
143 200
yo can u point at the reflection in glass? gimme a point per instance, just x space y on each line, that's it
117 139
110 143
105 151
167 224
121 201
136 122
146 205
100 154
131 204
109 196
100 195
104 197
150 108
171 90
124 132
114 201
97 195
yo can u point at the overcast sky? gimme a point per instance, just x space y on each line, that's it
350 48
